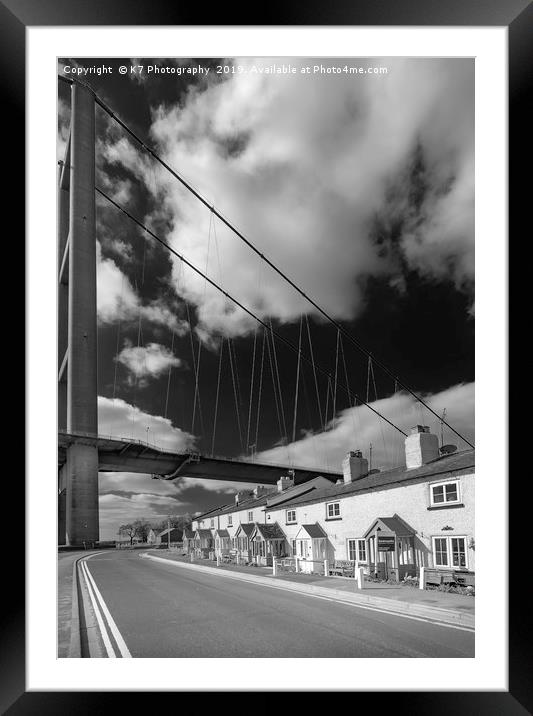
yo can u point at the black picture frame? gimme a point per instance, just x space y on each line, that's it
15 17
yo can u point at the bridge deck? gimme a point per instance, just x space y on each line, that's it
123 455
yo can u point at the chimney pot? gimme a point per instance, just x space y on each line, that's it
419 429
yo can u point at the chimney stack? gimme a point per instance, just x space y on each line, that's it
421 447
242 495
284 483
354 466
260 490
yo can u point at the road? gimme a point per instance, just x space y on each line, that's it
165 611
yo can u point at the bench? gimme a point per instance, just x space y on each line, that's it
342 568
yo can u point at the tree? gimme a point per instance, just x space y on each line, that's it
129 530
142 528
179 521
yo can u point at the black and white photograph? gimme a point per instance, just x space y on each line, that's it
266 385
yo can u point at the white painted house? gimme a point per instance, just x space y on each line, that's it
232 526
395 521
390 522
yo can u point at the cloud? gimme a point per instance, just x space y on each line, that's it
148 361
121 249
304 167
120 190
125 496
357 428
117 300
117 418
117 509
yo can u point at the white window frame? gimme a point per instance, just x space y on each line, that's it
289 521
333 516
357 541
359 560
230 520
444 484
212 523
449 558
250 516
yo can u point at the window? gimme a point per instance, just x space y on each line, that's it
250 517
212 523
444 493
293 546
290 517
230 521
450 552
458 551
357 550
440 550
333 510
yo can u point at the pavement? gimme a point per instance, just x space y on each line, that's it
65 565
156 608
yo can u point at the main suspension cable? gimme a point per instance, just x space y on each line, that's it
250 245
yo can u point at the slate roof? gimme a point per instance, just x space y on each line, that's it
247 528
251 503
314 531
296 490
229 509
175 534
222 533
394 524
204 533
270 531
210 512
456 464
188 533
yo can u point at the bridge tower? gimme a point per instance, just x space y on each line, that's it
77 336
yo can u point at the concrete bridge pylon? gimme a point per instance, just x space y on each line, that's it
77 324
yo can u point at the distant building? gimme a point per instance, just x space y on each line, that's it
176 536
151 537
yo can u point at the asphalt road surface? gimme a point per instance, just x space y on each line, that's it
165 611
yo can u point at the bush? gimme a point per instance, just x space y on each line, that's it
453 588
411 581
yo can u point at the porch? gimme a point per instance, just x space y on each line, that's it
390 546
242 544
204 544
268 541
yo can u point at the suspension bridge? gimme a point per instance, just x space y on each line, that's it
83 452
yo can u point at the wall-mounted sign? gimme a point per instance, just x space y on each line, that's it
386 544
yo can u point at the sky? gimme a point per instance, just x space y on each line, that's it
360 187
